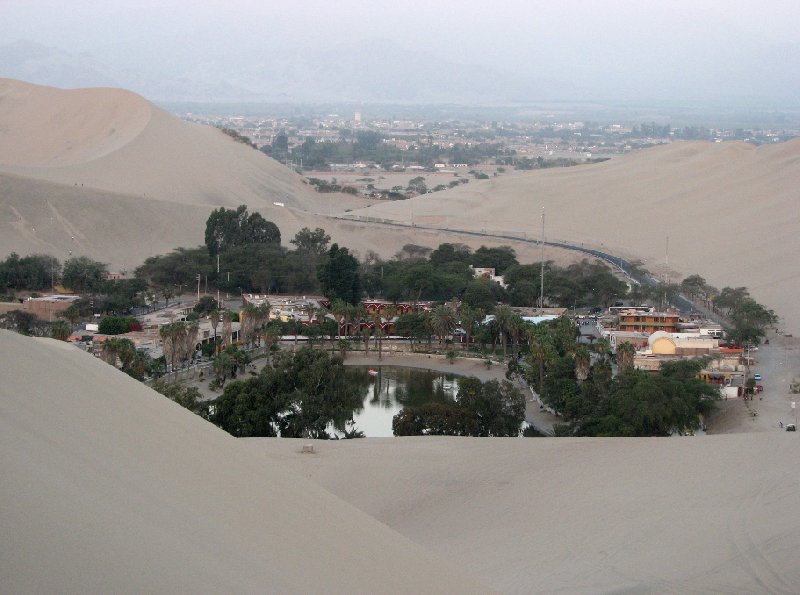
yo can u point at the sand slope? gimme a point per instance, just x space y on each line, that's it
680 515
730 211
109 487
127 180
114 140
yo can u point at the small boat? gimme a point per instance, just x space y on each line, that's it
372 372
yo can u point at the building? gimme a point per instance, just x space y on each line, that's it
487 273
648 322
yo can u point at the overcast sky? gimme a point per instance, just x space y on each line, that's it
628 47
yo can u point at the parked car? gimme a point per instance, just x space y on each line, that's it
757 376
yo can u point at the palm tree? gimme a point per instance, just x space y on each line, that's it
60 330
625 355
227 332
377 319
342 311
602 347
583 361
214 318
541 352
222 366
167 292
503 316
71 314
469 318
443 321
516 328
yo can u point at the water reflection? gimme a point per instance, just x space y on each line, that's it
392 388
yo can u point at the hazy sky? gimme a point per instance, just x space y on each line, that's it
631 47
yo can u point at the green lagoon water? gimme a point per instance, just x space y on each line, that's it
392 389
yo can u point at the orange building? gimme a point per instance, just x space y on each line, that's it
648 322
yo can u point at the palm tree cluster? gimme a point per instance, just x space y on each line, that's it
179 340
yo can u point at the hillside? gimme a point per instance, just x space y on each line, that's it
712 514
110 487
126 179
106 174
729 210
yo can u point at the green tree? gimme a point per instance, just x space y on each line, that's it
480 294
338 276
470 317
206 305
311 242
82 274
297 397
413 326
503 321
625 355
499 258
443 322
226 228
116 325
495 408
60 330
186 396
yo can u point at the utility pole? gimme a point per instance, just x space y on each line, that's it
198 286
217 279
541 275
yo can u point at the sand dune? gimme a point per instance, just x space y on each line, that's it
730 211
87 163
677 515
109 487
113 140
127 180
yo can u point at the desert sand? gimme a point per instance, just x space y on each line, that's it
109 487
727 211
106 174
565 515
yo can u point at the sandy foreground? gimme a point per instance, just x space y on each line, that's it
109 487
581 515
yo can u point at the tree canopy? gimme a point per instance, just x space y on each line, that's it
296 397
226 228
480 409
338 276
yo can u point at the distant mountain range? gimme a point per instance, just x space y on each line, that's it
367 70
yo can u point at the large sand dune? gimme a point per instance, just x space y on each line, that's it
110 488
713 514
127 179
104 173
110 139
730 211
107 486
85 164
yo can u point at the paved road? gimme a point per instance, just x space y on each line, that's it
623 265
779 365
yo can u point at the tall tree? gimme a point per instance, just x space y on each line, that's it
338 276
83 274
226 228
443 322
